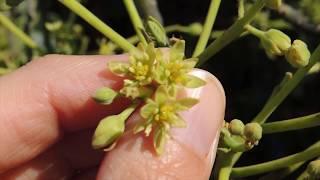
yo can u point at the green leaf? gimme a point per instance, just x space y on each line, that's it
159 140
105 95
119 68
148 109
110 129
193 82
7 4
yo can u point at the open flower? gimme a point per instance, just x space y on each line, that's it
138 71
160 114
172 71
140 65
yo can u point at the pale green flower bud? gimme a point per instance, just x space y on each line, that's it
195 28
275 42
110 129
253 132
236 127
105 95
157 31
274 4
313 169
298 54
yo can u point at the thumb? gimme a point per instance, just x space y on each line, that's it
189 154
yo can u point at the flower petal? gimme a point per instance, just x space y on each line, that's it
148 109
186 103
193 82
119 68
176 121
161 95
177 50
159 140
190 63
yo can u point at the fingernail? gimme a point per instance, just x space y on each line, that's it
204 119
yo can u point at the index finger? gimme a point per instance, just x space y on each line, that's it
47 97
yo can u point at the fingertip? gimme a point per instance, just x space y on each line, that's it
189 154
134 158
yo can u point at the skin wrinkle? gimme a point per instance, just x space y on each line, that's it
26 141
151 167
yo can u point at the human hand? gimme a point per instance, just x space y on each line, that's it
47 118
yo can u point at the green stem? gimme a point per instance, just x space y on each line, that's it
7 23
205 35
254 31
232 33
94 21
304 175
310 153
276 99
292 124
178 28
282 173
281 94
240 9
226 163
135 19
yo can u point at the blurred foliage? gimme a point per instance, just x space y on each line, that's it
311 9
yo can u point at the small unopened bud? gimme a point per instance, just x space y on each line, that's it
236 127
274 4
253 132
110 129
105 95
298 54
313 169
275 42
195 28
155 29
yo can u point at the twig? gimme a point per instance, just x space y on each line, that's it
297 18
310 153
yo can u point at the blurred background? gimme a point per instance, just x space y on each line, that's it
245 71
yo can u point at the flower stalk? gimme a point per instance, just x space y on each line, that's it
207 28
7 23
309 121
310 153
232 33
94 21
135 19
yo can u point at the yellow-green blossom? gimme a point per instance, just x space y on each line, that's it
140 65
298 54
138 71
275 42
172 71
160 114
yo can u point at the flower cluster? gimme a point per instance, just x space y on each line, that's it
150 67
277 43
237 137
153 76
